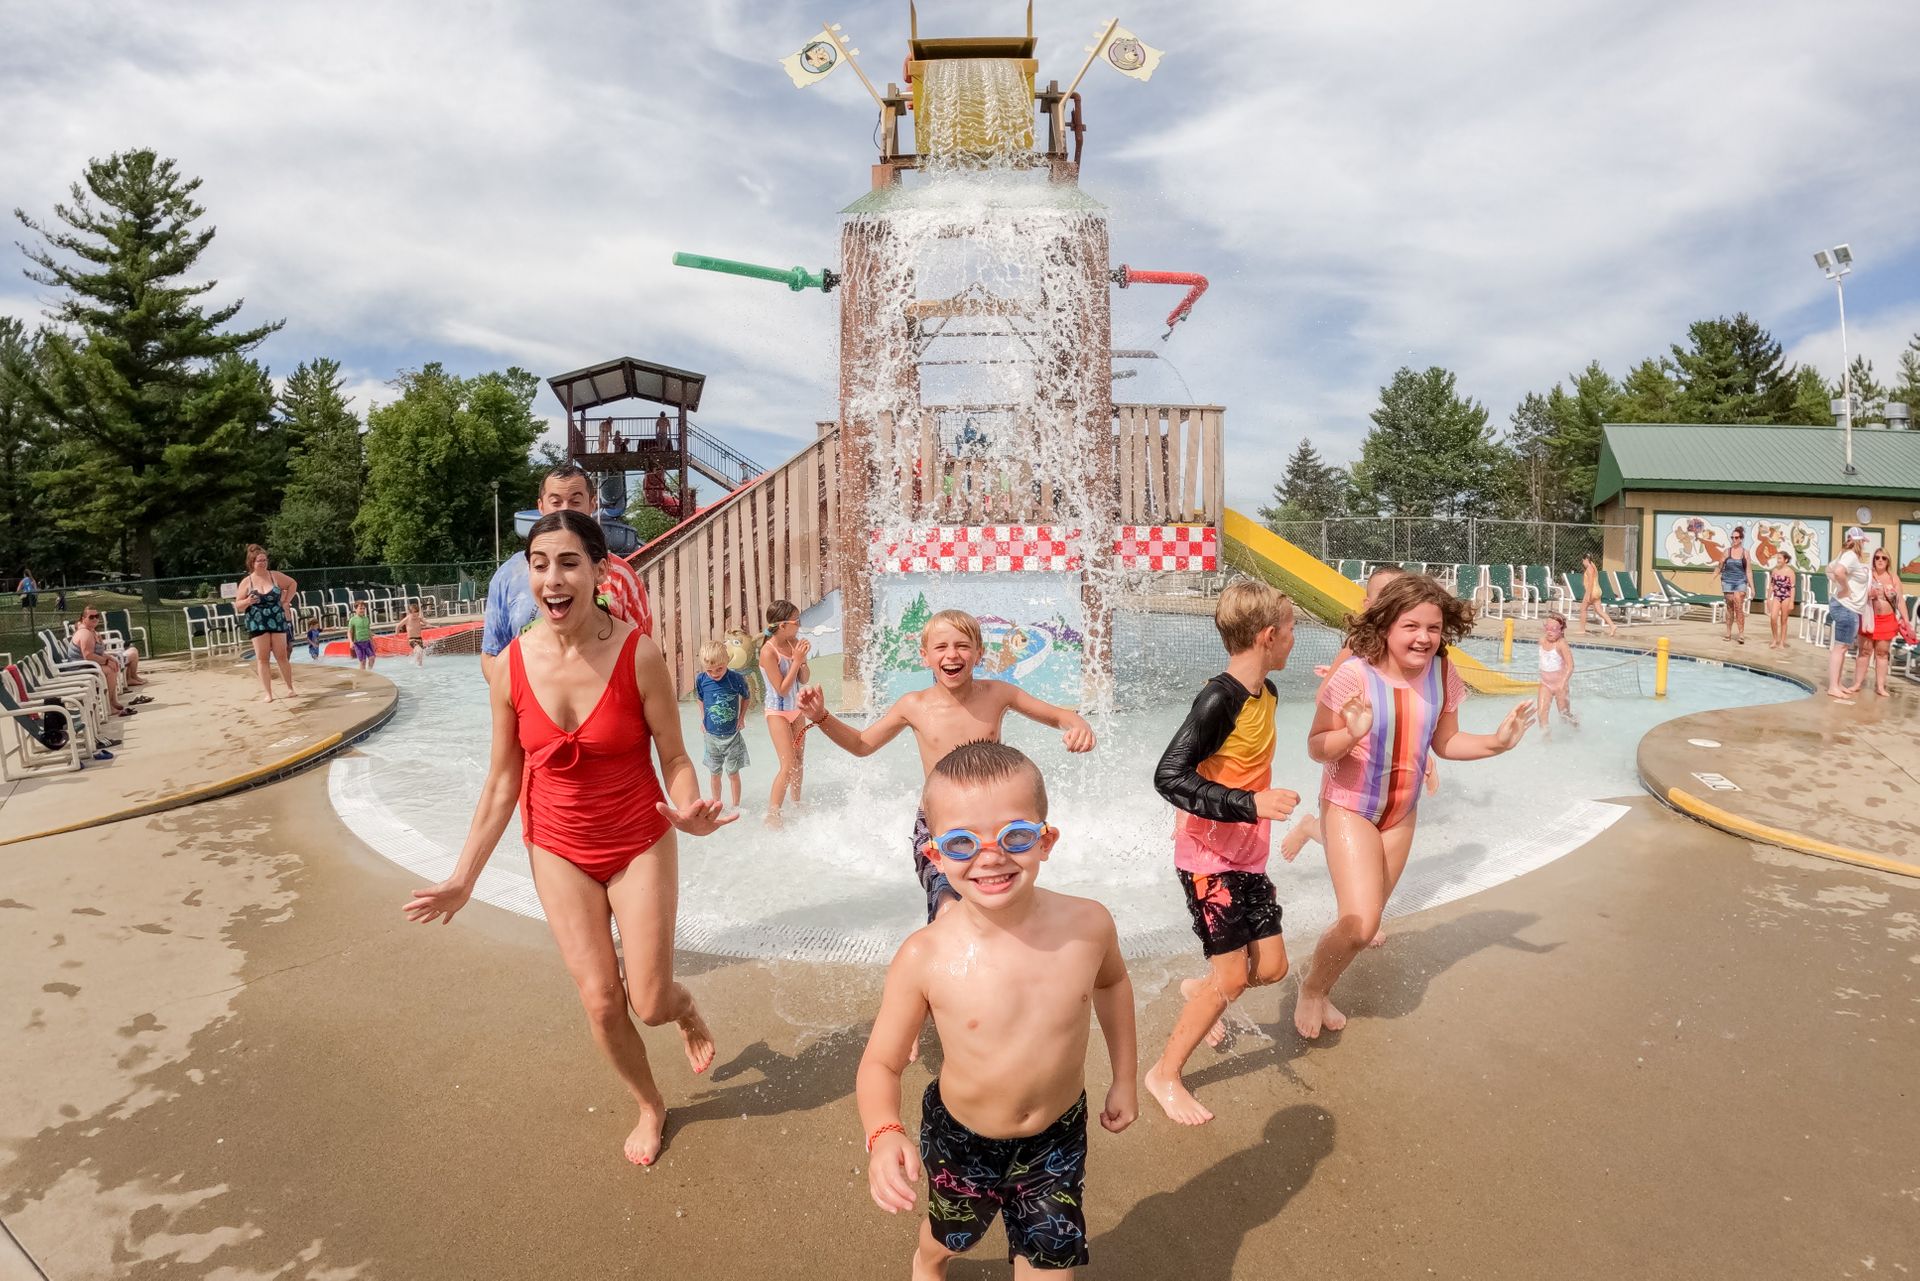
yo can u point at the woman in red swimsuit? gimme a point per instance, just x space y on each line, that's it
574 706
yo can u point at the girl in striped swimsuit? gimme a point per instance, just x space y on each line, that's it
1379 714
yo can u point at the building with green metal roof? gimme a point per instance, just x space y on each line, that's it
1685 486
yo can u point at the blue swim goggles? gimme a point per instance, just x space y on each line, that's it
1017 837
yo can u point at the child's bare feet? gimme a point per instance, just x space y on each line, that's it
1379 937
1217 1034
774 821
1294 841
643 1145
1175 1099
699 1041
1312 1014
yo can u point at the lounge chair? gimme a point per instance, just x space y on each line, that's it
121 623
45 739
1815 608
1628 590
1547 594
1680 601
1510 591
1356 570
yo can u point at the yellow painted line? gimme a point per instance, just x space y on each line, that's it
202 793
1323 592
1688 803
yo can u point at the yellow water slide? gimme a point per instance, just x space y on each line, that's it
1320 590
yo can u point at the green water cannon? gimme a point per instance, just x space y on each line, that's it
794 278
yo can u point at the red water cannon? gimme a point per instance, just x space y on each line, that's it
1196 285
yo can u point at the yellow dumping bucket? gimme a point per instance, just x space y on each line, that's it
973 107
1320 590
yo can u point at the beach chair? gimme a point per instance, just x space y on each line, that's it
199 630
1680 601
1510 592
45 739
1355 570
1547 594
121 622
42 680
1815 608
1628 590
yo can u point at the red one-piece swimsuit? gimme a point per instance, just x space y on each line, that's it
589 796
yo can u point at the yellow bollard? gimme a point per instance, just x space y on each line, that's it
1660 668
1506 644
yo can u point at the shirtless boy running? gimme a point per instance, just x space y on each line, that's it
1009 976
956 709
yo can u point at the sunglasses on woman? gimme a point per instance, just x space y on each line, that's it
961 844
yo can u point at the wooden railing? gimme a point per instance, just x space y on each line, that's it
775 537
766 541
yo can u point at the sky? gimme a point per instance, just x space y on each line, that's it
1505 189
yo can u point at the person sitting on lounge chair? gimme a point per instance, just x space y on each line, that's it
86 639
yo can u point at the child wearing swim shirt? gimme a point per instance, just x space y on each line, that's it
313 642
1556 674
724 697
1009 977
1218 772
1779 599
957 709
360 632
1377 717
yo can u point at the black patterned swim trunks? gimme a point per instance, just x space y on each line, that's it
1037 1181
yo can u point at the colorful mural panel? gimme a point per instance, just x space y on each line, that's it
1032 627
1698 540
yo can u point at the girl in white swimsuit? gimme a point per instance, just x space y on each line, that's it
1556 673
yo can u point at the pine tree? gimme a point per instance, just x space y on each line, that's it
1812 398
1649 394
1430 452
1309 489
1731 371
1868 393
138 380
327 465
1906 388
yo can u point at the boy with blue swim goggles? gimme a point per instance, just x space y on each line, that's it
961 844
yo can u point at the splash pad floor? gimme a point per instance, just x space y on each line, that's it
836 883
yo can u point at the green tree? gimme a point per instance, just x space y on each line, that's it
1732 371
432 458
315 522
1867 390
1812 398
1430 452
1649 394
23 445
138 379
1906 386
1309 489
1574 448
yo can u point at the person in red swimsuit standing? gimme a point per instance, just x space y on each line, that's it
574 707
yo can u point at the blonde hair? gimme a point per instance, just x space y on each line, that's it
1245 609
984 761
713 652
958 619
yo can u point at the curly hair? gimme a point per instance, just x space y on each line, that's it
1368 635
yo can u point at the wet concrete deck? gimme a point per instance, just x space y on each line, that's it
205 729
1818 776
1672 1054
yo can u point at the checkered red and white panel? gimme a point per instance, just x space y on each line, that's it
1167 547
1013 548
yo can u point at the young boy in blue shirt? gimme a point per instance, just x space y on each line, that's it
724 695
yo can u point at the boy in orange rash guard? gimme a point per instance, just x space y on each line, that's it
1218 771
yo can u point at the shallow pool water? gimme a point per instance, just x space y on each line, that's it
837 881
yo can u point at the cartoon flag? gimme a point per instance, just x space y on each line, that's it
1128 54
814 61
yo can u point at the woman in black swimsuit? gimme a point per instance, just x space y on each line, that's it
265 600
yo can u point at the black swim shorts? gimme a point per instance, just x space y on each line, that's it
1038 1181
1230 909
934 881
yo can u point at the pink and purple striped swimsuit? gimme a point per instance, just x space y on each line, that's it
1380 778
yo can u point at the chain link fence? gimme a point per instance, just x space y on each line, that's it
1470 541
159 604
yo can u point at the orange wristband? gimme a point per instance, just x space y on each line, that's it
891 1127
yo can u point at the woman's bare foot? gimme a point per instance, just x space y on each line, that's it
1881 692
1379 937
1217 1034
1175 1099
1313 1014
643 1145
699 1041
266 698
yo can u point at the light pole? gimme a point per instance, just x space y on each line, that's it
1837 262
496 521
